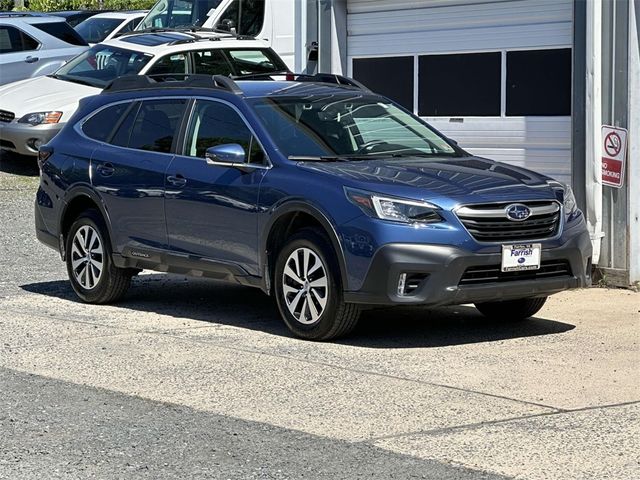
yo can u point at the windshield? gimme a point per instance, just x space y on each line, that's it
95 30
101 64
178 13
360 125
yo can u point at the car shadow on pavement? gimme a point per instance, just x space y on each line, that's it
220 303
18 164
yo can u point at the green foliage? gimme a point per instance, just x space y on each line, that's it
49 5
6 4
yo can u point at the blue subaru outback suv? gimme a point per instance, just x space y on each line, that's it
314 189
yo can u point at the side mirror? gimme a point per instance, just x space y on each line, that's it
229 154
452 141
227 25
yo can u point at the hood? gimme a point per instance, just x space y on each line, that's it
447 181
43 94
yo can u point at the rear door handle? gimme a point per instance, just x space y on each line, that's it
105 169
177 180
31 59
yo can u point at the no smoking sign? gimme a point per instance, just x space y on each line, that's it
614 149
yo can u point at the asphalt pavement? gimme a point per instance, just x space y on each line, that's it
187 378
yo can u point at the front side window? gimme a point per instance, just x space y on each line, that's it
245 16
101 64
340 125
14 40
175 63
178 13
157 125
237 61
213 124
95 30
211 62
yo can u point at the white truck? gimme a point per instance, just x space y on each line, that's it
269 20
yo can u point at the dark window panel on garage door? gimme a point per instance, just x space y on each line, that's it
459 85
390 76
539 82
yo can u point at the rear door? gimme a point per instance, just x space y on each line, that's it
129 172
18 54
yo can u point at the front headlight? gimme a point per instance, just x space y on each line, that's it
394 209
41 118
570 204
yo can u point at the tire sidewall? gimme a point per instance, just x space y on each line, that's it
92 219
321 247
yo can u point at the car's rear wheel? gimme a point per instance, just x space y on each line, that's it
308 288
512 309
93 276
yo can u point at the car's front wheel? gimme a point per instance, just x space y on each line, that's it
93 276
512 309
308 288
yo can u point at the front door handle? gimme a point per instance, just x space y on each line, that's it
105 169
177 181
31 59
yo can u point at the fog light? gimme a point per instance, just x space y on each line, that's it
34 143
401 282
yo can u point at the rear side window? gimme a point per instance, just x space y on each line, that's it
100 126
157 125
62 31
14 40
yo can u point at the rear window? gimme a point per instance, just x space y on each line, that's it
62 31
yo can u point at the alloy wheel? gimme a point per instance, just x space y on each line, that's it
305 285
87 257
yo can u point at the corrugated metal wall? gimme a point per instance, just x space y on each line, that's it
378 28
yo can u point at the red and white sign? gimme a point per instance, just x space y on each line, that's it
614 151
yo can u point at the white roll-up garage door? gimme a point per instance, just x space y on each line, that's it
495 76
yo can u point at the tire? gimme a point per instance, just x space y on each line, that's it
308 288
87 241
513 310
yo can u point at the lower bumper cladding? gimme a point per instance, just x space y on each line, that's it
445 275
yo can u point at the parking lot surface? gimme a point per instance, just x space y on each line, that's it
189 378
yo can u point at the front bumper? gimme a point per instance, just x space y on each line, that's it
22 137
443 268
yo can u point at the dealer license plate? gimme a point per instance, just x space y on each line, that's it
521 257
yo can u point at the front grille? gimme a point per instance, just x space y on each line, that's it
489 223
6 117
493 273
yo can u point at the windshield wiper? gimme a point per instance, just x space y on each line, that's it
74 80
312 158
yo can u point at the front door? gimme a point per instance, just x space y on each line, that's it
211 209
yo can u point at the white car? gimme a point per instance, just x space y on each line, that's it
108 25
35 44
33 111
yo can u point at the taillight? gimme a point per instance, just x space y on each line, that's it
43 154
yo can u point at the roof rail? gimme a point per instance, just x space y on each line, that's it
171 80
192 31
304 77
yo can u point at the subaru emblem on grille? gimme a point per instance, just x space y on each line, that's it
517 212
